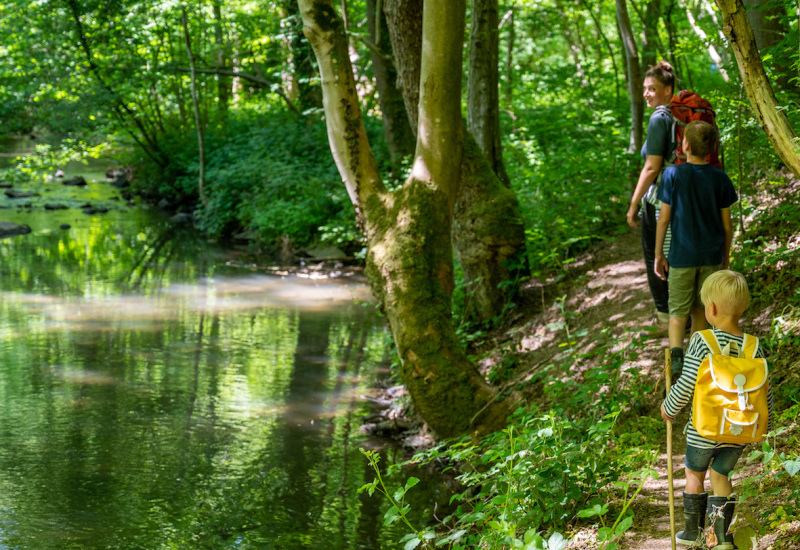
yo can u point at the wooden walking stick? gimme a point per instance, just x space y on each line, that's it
668 375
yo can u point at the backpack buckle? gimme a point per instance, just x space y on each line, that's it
740 380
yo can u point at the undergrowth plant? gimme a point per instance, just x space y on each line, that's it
551 469
769 488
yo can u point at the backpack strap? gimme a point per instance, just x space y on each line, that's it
673 141
750 344
710 339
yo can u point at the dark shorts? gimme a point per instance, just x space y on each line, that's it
724 459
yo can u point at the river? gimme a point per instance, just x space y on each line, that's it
158 393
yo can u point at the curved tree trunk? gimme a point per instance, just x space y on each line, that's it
489 235
634 75
759 91
410 257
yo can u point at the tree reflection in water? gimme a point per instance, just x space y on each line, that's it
154 397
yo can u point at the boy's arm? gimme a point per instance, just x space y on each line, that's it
681 393
662 265
649 173
725 214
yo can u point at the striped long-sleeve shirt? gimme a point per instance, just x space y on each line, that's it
682 392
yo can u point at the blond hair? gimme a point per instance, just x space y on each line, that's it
728 290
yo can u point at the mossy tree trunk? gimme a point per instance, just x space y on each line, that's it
410 257
756 84
489 235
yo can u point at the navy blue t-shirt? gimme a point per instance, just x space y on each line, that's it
696 193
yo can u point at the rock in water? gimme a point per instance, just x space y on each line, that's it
8 229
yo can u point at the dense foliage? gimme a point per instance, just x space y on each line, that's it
117 74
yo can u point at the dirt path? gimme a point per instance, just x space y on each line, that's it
609 289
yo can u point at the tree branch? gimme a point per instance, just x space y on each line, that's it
261 81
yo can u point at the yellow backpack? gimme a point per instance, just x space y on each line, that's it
731 393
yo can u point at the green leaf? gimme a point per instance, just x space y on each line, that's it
530 535
399 494
792 466
624 525
391 515
556 542
595 510
411 482
413 543
745 538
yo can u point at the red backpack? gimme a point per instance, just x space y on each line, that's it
687 107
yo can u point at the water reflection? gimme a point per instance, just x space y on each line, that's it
152 396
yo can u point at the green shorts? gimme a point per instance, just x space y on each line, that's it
684 288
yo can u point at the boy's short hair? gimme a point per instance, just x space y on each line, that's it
728 289
702 138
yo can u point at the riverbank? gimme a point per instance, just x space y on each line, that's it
598 313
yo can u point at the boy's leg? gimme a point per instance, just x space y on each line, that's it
681 299
724 462
720 484
694 498
677 328
720 506
695 481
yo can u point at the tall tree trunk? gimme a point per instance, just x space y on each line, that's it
483 108
634 76
489 235
223 83
509 87
759 91
767 19
301 59
410 257
396 126
404 22
197 119
650 33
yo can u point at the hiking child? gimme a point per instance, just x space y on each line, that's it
695 204
725 296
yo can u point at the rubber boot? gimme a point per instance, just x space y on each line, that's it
677 363
694 512
720 515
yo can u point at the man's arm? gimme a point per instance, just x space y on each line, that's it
725 214
662 266
649 173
